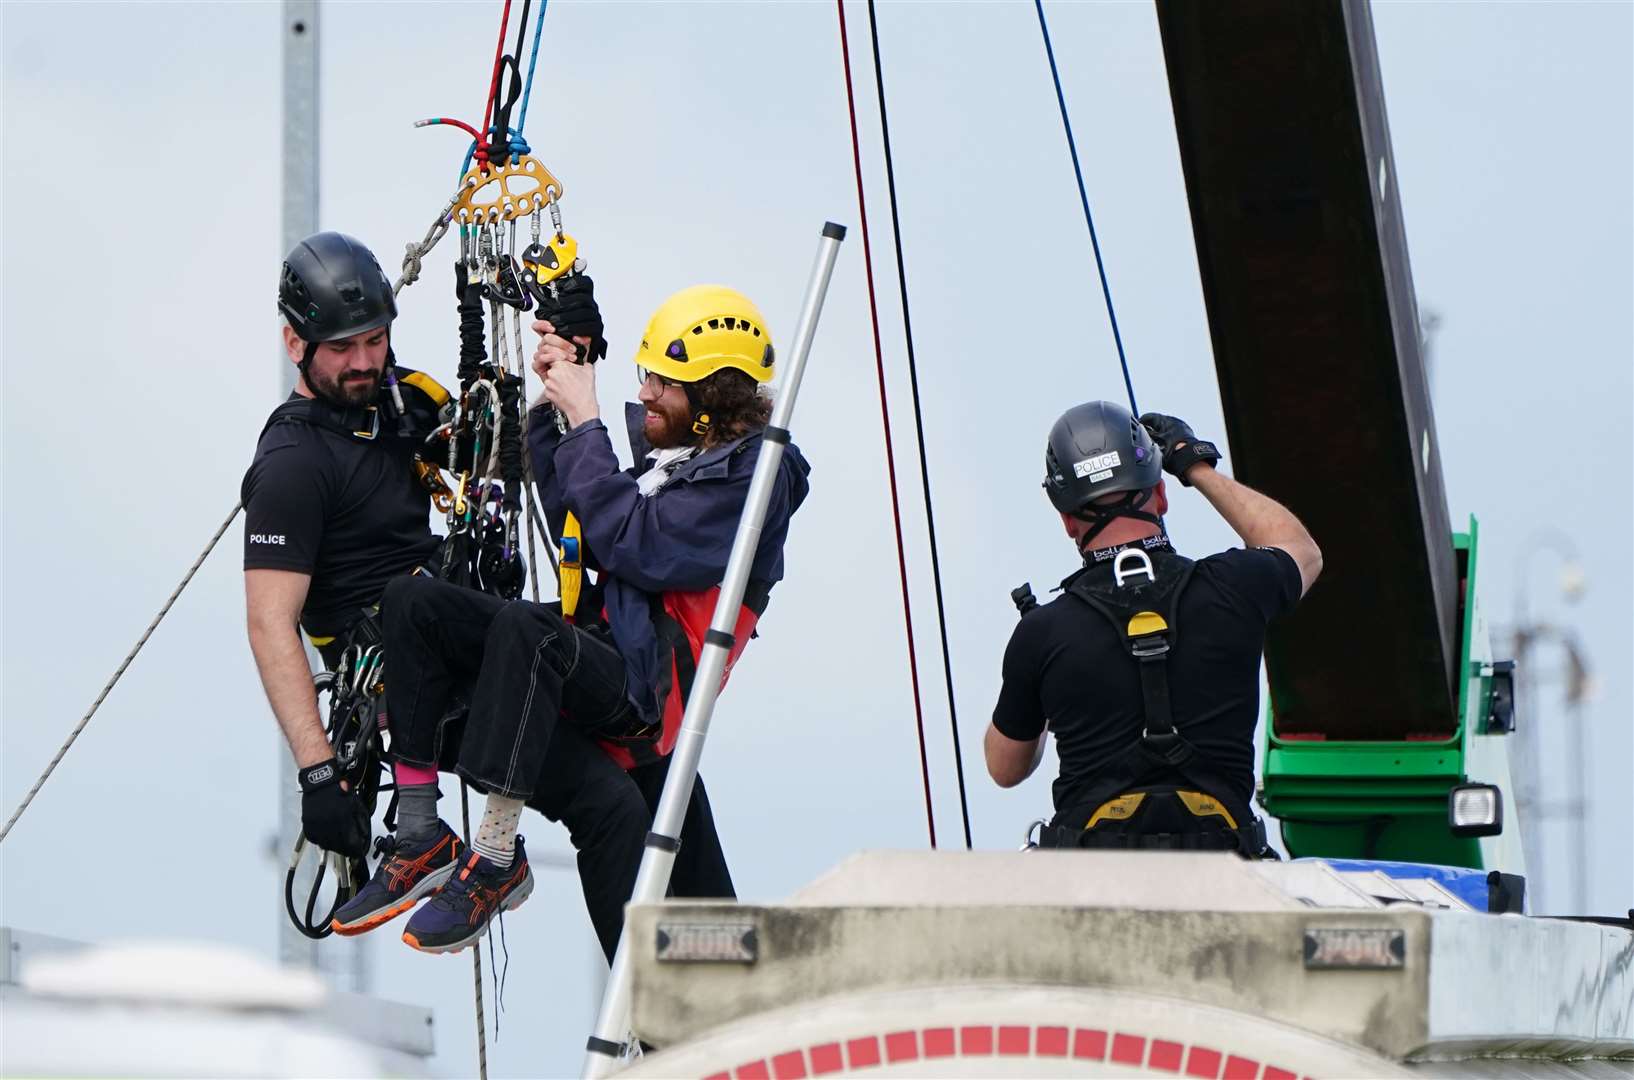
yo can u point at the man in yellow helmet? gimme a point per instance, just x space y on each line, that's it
614 674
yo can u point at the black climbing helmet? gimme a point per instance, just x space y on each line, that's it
332 287
1098 449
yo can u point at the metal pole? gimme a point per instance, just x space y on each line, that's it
657 860
299 220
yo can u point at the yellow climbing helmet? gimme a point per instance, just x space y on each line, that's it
701 330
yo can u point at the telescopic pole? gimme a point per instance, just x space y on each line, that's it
658 858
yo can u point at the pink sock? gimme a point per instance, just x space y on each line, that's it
406 774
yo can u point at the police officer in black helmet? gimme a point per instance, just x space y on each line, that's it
1146 667
333 507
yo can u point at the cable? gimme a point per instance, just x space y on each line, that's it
100 698
885 416
919 425
1089 219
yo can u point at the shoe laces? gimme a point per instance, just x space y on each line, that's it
495 971
458 885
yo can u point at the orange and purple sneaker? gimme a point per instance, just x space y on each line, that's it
460 912
406 875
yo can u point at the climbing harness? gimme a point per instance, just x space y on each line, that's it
355 685
1158 793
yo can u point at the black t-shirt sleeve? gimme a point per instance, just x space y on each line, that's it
284 505
1266 579
1019 714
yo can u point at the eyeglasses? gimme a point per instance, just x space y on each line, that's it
645 377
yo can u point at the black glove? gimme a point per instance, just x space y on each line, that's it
1181 448
572 311
332 818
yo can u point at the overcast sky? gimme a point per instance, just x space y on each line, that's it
708 142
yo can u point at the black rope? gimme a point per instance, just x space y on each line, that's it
510 440
1083 197
919 423
473 336
885 425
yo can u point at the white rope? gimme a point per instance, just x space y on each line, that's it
143 640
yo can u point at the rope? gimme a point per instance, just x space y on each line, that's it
527 87
432 121
476 954
493 83
504 118
1083 197
885 416
919 425
143 640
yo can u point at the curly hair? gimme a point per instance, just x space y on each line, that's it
735 404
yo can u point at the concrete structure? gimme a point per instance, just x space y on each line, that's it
1124 963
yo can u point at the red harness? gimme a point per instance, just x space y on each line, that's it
682 623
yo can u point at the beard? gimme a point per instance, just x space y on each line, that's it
667 428
348 389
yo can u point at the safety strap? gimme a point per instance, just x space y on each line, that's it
1141 600
570 568
363 422
1127 820
1248 840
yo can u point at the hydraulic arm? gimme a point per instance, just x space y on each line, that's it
1376 682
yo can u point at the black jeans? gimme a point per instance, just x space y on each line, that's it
525 668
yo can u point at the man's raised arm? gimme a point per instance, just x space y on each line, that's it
1260 520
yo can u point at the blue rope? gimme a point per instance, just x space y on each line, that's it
1089 219
527 87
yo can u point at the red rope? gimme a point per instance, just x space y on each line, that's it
885 417
481 153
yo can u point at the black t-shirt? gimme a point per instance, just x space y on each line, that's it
347 511
1065 666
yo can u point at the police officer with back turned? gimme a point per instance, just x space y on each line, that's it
1146 667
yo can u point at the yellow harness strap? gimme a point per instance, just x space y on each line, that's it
571 565
1123 807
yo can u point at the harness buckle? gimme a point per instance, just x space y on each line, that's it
373 414
1132 555
1150 646
1167 745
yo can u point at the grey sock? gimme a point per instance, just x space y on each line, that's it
417 821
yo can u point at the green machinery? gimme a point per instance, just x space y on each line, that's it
1384 694
1387 799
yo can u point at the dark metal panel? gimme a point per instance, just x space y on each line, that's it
1279 110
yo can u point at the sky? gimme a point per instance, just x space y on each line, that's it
708 142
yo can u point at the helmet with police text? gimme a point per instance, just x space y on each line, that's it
332 287
1098 449
706 329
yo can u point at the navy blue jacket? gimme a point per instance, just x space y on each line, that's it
677 539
